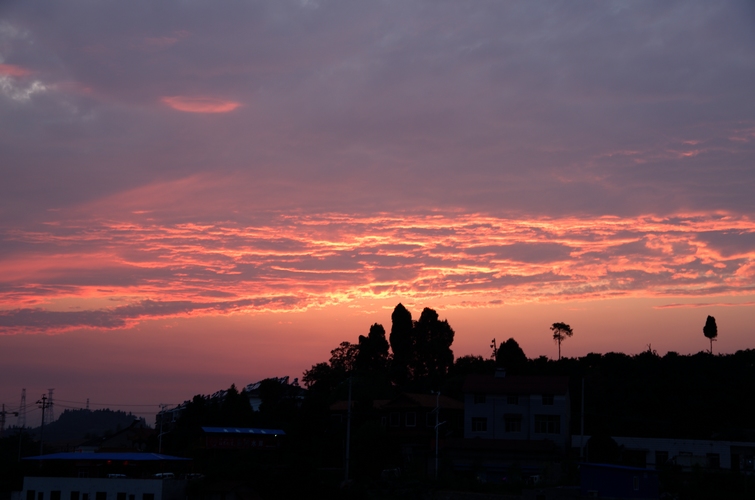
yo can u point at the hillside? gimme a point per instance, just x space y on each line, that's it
73 425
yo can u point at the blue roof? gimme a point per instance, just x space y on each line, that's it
119 457
243 430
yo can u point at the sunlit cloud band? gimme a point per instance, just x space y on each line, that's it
113 274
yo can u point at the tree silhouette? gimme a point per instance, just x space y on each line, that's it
710 330
433 339
373 350
511 357
560 332
402 343
344 357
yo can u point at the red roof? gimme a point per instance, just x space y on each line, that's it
521 385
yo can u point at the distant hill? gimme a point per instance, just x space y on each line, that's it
73 425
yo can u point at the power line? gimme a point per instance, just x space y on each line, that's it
109 404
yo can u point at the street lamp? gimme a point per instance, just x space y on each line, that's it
437 426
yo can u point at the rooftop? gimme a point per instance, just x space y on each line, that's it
488 384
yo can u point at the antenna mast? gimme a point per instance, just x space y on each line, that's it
50 412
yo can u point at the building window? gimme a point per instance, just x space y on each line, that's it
411 419
547 399
55 495
100 495
512 423
661 457
512 400
41 495
547 424
120 496
74 495
480 399
148 496
714 460
31 494
395 419
479 424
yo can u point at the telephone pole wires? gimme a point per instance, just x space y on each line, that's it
50 410
2 419
43 405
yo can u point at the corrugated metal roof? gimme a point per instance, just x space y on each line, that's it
118 457
243 430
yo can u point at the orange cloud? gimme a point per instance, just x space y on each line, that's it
13 70
290 262
695 305
200 104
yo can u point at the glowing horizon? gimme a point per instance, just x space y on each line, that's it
226 192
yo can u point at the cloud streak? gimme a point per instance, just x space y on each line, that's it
63 276
200 104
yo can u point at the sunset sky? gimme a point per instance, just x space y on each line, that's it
202 193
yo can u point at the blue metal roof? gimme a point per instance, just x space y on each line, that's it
244 430
118 457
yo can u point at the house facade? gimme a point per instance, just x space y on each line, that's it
520 408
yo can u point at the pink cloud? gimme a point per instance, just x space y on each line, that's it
706 304
286 261
13 70
200 104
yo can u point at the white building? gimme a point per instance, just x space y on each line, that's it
88 488
517 408
729 455
107 476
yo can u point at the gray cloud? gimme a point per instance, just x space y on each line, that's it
37 319
544 108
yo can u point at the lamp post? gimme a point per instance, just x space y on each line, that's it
437 426
348 439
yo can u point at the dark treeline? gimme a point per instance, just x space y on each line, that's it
676 396
688 396
80 424
701 396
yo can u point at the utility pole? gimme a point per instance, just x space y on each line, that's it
43 405
50 411
22 410
582 425
348 436
2 419
437 416
160 436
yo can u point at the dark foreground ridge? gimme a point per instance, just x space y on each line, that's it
397 415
